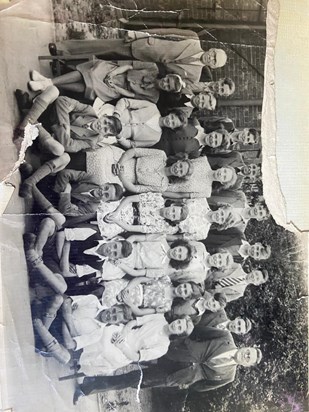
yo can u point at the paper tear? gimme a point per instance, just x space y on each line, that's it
138 400
31 132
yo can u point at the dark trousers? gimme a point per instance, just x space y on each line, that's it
153 376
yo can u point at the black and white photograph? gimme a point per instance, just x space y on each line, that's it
143 265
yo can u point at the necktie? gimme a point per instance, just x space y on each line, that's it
187 60
230 281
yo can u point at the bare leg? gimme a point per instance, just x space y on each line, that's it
73 87
72 77
47 229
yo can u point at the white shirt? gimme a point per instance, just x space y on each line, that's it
242 248
89 329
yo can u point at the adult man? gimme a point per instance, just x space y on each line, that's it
211 322
234 283
178 50
200 366
84 196
75 125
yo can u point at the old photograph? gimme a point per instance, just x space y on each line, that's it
142 267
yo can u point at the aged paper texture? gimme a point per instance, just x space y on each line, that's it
154 205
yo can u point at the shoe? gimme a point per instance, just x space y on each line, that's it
25 190
23 100
18 135
37 77
25 170
43 352
29 240
77 395
52 49
41 85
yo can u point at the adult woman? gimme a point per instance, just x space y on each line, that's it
192 139
145 296
144 213
196 307
110 80
143 339
151 256
142 170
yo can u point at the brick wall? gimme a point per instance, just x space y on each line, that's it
184 10
245 48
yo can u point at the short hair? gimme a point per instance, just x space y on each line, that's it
221 58
116 126
261 205
232 182
171 160
255 134
230 83
183 215
197 291
225 224
265 251
265 275
126 248
248 324
259 355
221 298
182 116
229 260
189 324
177 264
118 190
177 80
126 310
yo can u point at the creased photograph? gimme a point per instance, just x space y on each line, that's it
153 233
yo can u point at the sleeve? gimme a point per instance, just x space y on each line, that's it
66 207
135 104
69 175
110 271
87 339
85 300
62 134
65 105
112 289
141 320
170 33
143 152
82 270
209 385
155 351
121 105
